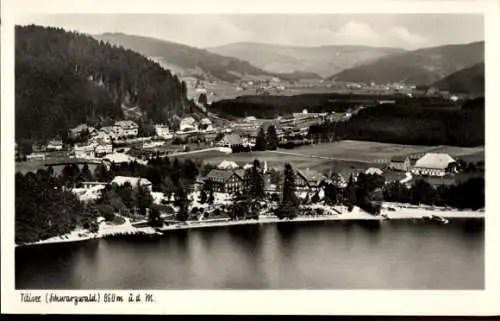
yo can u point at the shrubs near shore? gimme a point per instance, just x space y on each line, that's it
46 208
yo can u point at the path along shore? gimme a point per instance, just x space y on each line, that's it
390 211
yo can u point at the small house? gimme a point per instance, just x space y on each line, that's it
230 140
78 130
400 163
128 128
102 150
55 145
134 181
374 171
227 165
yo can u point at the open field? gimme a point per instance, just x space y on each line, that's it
373 152
34 165
277 160
321 157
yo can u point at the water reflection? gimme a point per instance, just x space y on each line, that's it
287 255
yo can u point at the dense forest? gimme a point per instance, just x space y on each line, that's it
270 106
419 126
65 78
415 126
44 209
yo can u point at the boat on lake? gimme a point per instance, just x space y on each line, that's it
436 219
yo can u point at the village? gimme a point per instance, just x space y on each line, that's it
218 195
333 179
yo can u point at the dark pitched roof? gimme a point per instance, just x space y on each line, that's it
347 172
394 176
399 158
311 175
219 175
240 173
232 139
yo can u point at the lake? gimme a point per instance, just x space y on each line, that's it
397 254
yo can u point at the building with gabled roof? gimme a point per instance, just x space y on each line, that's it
374 171
134 181
400 163
127 128
432 164
308 179
227 165
224 181
230 140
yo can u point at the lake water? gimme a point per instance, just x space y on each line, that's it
309 255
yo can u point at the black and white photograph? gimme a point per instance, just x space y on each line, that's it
248 151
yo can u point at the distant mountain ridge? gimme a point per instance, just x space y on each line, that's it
322 60
185 60
423 66
465 81
192 61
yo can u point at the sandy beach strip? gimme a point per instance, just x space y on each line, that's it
399 212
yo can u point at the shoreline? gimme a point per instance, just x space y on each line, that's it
403 212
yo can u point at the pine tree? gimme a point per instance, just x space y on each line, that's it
86 175
101 173
203 99
260 141
272 138
203 197
211 197
289 201
350 190
182 202
154 218
289 187
315 198
144 199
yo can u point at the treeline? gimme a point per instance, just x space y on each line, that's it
266 140
466 195
66 78
270 106
44 209
415 126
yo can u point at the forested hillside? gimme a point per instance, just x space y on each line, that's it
414 126
188 58
270 106
65 78
466 81
421 67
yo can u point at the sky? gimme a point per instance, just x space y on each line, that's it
408 31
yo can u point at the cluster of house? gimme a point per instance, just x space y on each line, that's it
190 125
99 141
291 127
92 190
228 177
